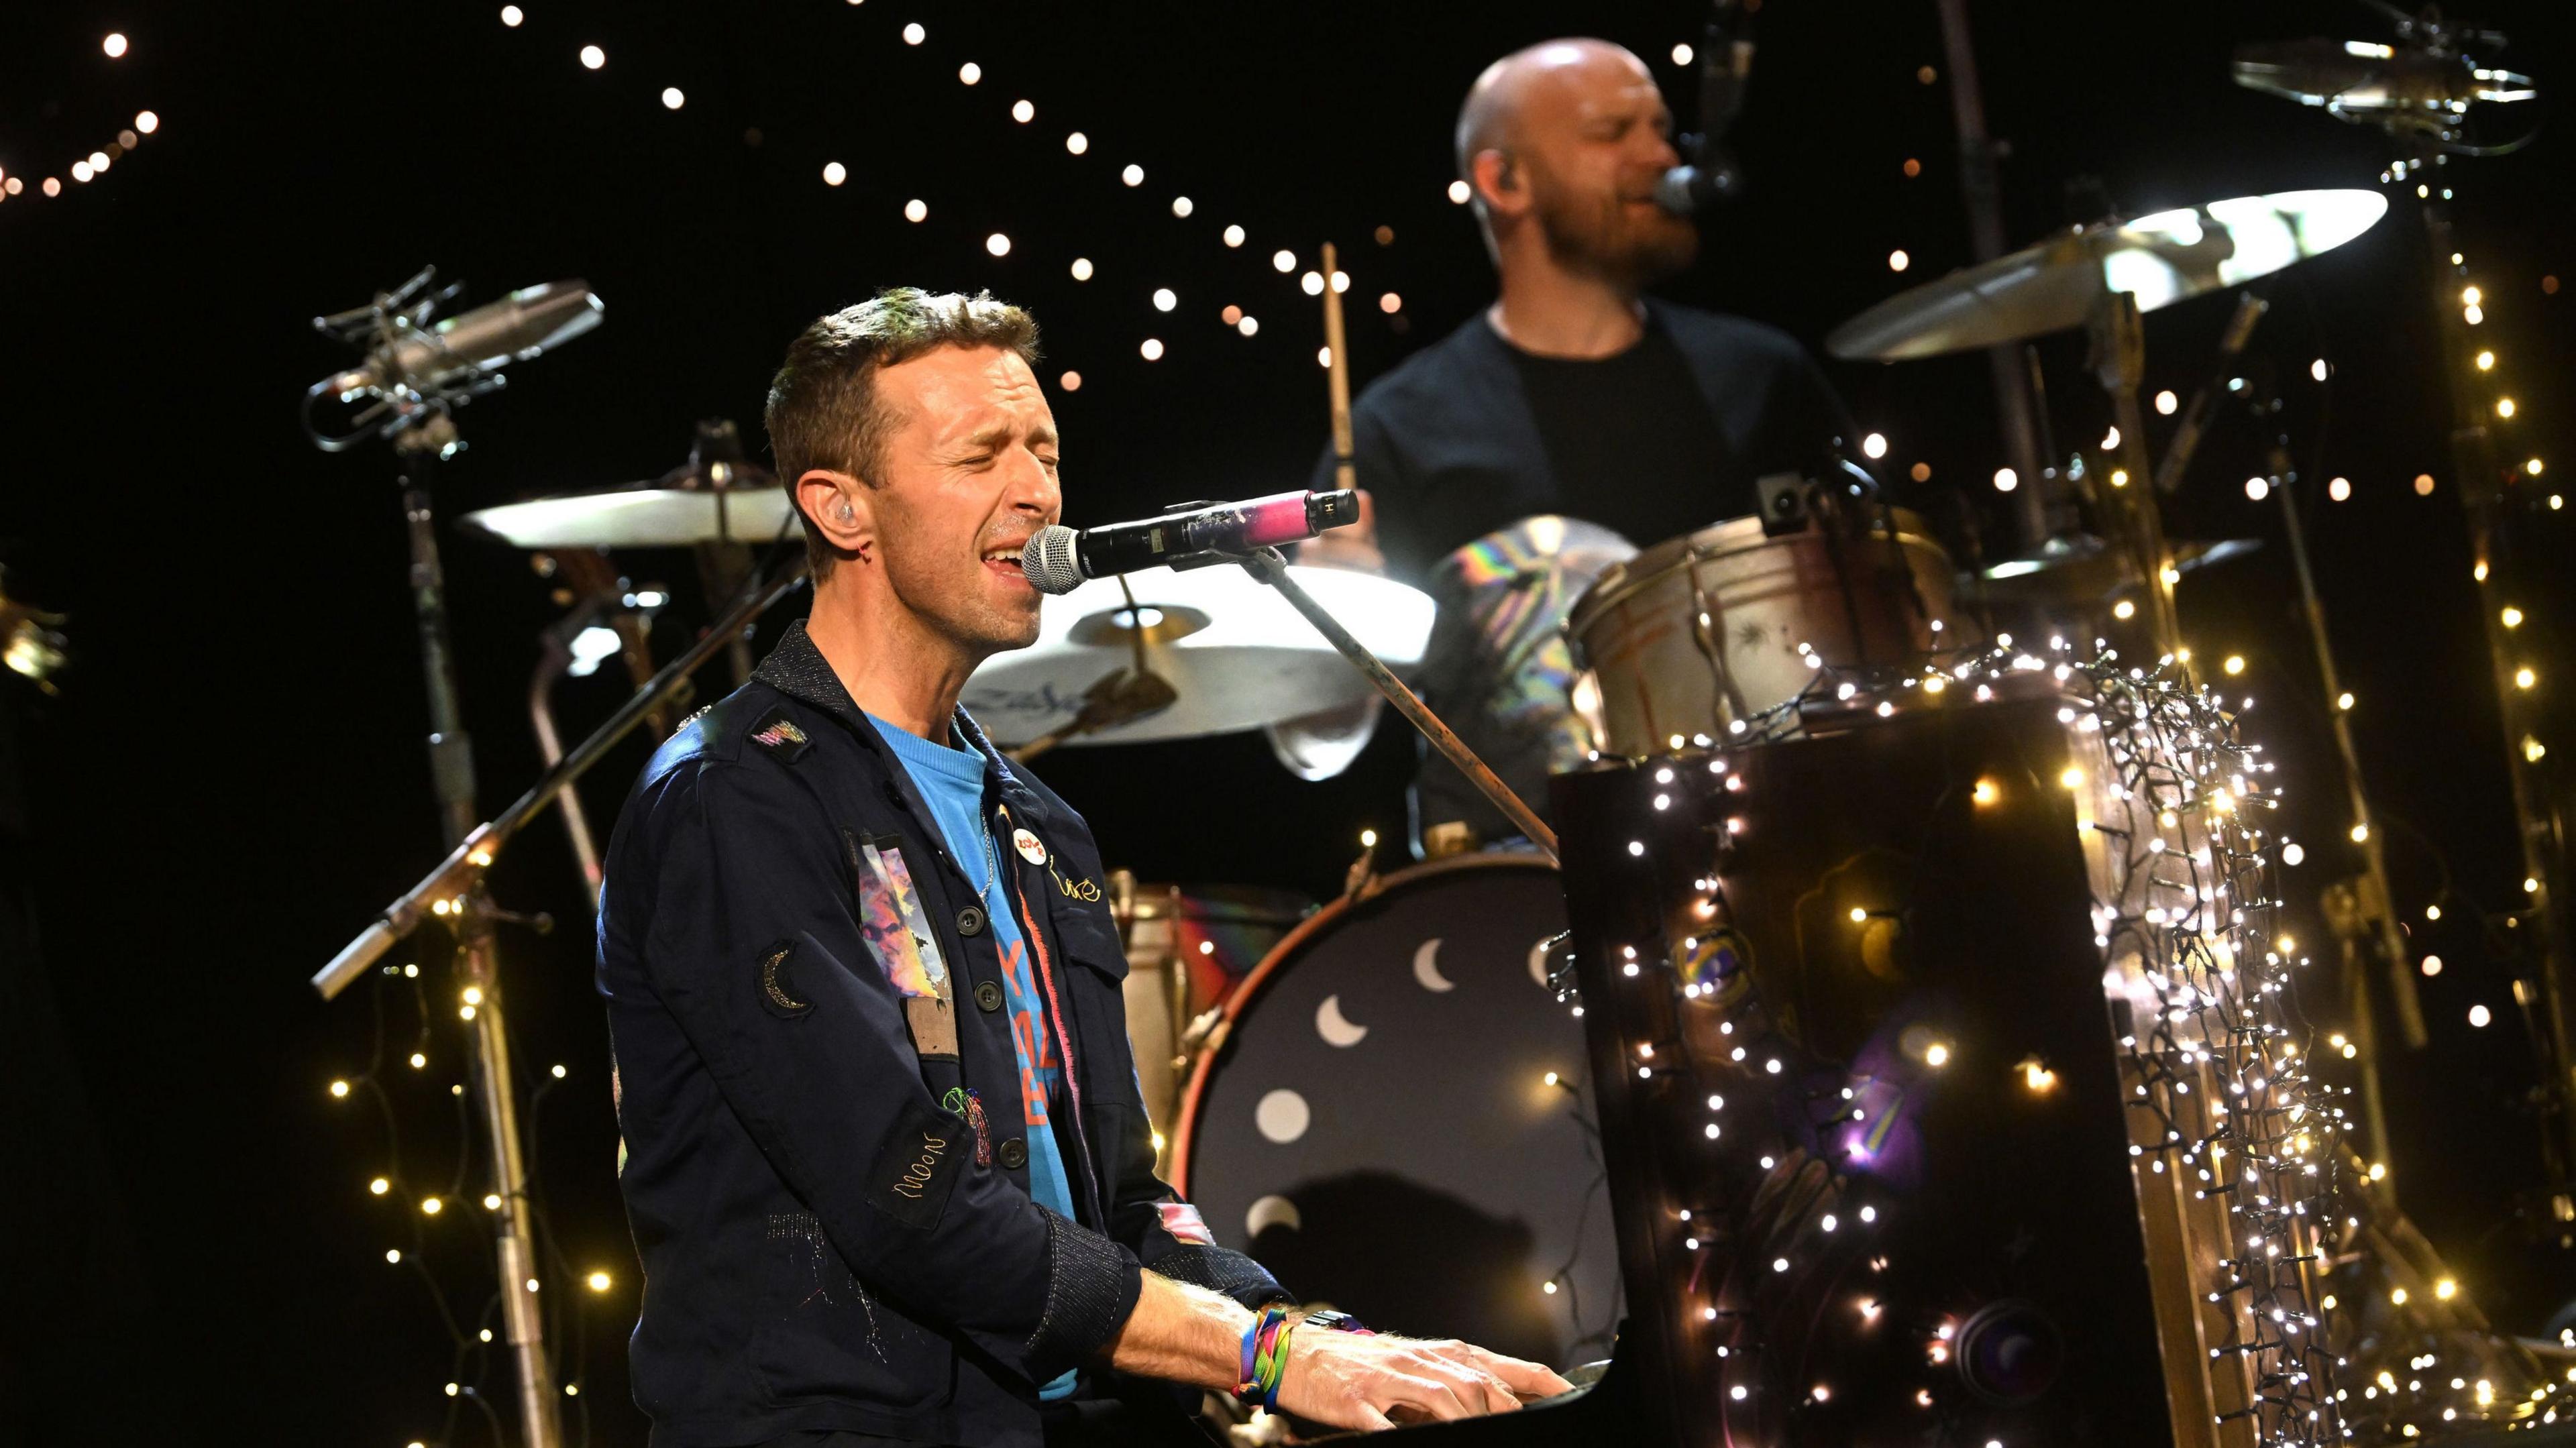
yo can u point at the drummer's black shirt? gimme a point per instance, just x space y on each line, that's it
1472 434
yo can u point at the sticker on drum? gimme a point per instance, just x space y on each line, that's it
1399 1119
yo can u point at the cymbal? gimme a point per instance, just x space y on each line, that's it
1236 655
711 501
2082 571
2161 259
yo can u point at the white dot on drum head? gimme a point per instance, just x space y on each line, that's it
1282 1116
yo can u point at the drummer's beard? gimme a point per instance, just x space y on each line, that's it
1609 237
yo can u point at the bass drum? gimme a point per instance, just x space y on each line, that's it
1396 1118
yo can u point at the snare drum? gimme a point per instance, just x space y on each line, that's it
1187 947
1395 1117
1699 631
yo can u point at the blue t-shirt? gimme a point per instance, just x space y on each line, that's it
951 782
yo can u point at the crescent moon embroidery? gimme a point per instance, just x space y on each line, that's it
1268 1212
1336 1028
1426 967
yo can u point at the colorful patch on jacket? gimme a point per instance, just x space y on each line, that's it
780 736
963 1101
890 938
1182 1223
886 861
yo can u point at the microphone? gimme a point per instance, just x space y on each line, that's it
513 329
2361 80
1058 559
1725 63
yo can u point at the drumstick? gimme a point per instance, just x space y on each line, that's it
1337 373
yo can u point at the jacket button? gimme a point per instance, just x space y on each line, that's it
1015 1153
988 996
970 921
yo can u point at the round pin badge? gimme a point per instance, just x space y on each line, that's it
1029 847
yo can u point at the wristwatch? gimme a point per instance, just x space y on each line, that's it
1335 1321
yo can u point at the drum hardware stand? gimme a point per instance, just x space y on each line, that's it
1268 566
2373 900
606 607
1981 189
2119 361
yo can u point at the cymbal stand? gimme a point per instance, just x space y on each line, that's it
2119 361
2490 501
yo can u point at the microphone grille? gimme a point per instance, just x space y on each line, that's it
1049 560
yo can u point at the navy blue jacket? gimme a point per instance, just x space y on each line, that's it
827 1243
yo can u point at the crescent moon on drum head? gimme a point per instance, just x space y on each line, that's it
1426 967
1272 1211
1336 1028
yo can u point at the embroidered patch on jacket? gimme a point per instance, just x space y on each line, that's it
777 987
1182 1223
964 1101
918 1167
779 735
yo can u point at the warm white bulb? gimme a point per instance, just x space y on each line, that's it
969 73
672 99
1024 111
834 173
114 45
1165 299
1077 143
511 15
1151 349
1082 268
1898 261
592 57
1181 206
1312 283
2257 489
1682 54
1283 261
1134 175
1234 236
2167 403
2339 489
146 122
998 244
913 34
916 210
1874 446
1247 326
1458 192
2006 480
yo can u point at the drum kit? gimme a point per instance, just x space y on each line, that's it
1248 1007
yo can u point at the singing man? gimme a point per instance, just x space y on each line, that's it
888 1169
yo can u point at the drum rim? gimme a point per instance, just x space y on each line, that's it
1624 580
1240 999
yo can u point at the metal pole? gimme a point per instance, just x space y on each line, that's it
451 754
513 1235
456 875
2392 941
1981 188
1272 569
2485 497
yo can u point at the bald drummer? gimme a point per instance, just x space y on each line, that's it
1614 419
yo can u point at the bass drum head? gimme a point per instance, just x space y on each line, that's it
1378 1130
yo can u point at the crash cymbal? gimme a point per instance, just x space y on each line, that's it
2081 572
717 496
2161 259
1234 654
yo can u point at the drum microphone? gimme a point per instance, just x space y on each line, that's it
1058 559
1725 62
513 329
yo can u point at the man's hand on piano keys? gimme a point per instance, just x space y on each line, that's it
1368 1381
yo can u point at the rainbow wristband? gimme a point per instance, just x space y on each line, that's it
1260 1366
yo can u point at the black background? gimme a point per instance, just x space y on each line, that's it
232 781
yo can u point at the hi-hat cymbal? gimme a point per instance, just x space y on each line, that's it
715 500
1236 655
2081 572
2160 259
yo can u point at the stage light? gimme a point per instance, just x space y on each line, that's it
2533 751
1024 112
1312 283
1077 143
114 45
2504 407
2339 489
599 1281
2124 610
2424 489
592 57
2006 480
1134 175
998 244
2486 361
1936 1055
2167 403
969 73
1247 326
1390 304
2293 853
913 34
2524 678
1151 349
1283 261
2072 777
53 187
80 170
379 1187
431 1206
511 15
2317 369
2257 489
418 1060
1070 382
1323 356
1682 54
2531 466
2343 701
2479 1015
1234 236
1459 192
473 995
1874 446
1898 261
834 173
672 99
1341 282
1985 793
916 210
147 122
1082 268
339 1088
1181 207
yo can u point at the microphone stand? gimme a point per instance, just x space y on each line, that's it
1268 566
